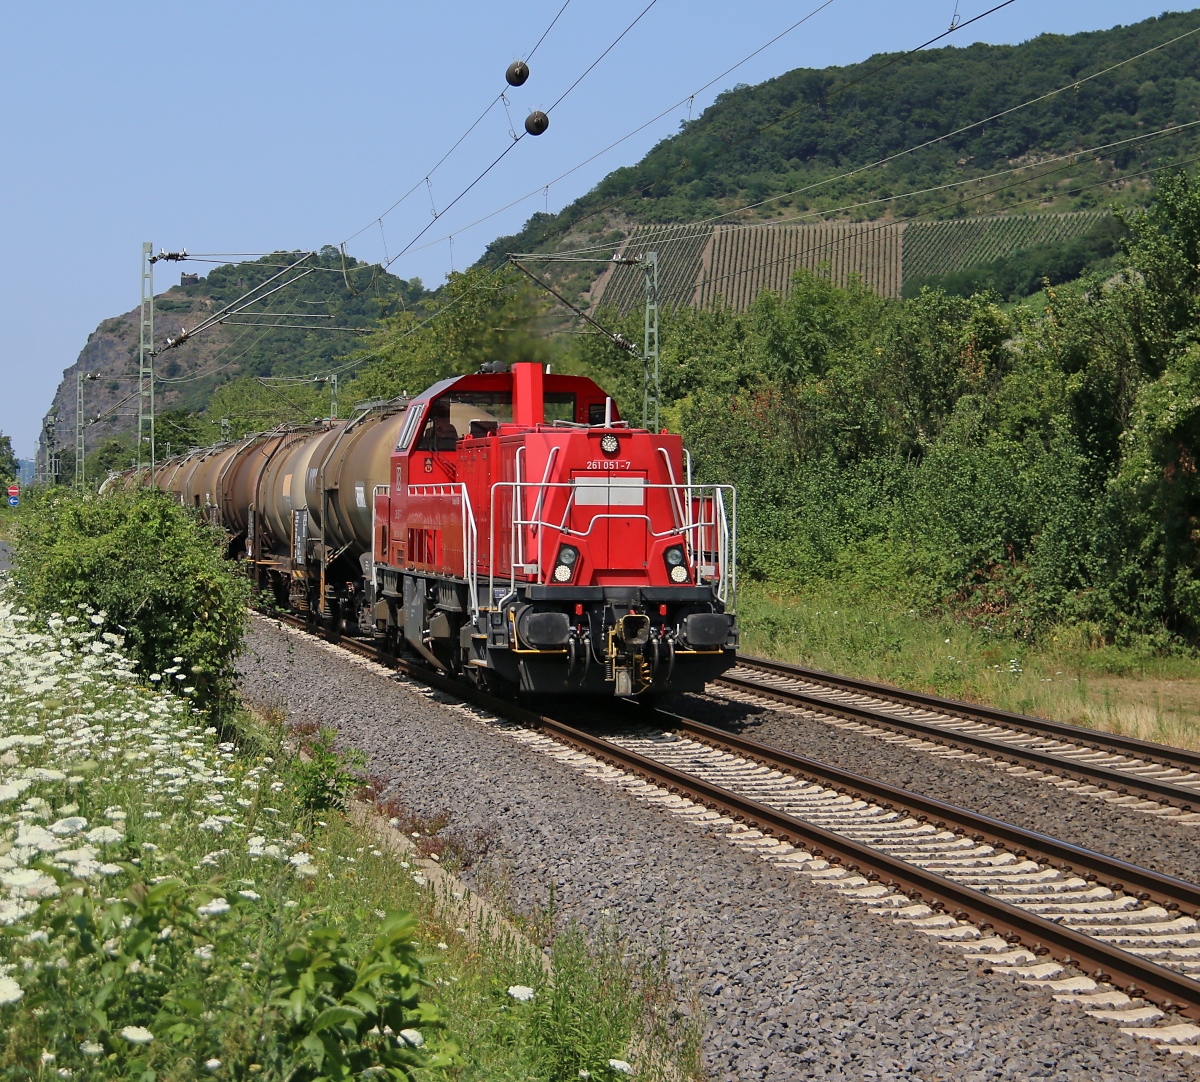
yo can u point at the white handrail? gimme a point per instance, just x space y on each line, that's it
386 490
470 536
722 522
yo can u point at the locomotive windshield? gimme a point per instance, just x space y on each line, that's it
455 416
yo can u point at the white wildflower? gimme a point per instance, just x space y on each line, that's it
137 1035
620 1066
103 835
522 993
215 908
250 895
10 991
29 883
212 1064
72 824
91 1048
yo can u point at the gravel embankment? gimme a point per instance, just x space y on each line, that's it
1173 849
795 982
5 557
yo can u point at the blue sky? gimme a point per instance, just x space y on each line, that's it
253 126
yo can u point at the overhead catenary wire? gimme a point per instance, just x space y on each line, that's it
457 143
806 107
629 135
283 398
300 327
113 408
588 69
617 339
237 305
826 98
228 364
517 138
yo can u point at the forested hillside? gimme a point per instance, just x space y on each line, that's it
781 148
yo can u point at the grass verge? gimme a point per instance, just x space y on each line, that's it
1064 676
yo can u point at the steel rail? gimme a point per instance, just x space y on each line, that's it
1136 976
1145 884
1026 723
1047 761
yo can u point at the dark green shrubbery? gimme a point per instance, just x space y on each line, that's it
153 571
1022 469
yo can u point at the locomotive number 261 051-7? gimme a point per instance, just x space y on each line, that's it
609 464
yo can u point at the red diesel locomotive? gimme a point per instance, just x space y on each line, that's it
508 526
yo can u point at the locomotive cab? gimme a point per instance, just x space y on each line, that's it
528 535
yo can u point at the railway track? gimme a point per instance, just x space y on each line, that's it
1016 901
1128 771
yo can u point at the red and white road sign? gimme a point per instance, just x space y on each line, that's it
14 490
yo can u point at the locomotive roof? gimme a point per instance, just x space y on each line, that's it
503 381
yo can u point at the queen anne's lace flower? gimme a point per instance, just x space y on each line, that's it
10 991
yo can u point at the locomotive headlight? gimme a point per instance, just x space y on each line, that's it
676 564
609 444
564 566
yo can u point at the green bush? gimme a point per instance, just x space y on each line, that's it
323 777
155 573
1022 470
159 979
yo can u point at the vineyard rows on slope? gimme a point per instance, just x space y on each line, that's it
933 248
701 264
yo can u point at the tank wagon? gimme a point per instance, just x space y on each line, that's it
507 526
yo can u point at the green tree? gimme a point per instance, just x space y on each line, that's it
8 460
482 316
156 573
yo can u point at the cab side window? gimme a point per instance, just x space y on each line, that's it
439 434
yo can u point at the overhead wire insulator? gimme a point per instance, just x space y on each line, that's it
518 72
536 122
